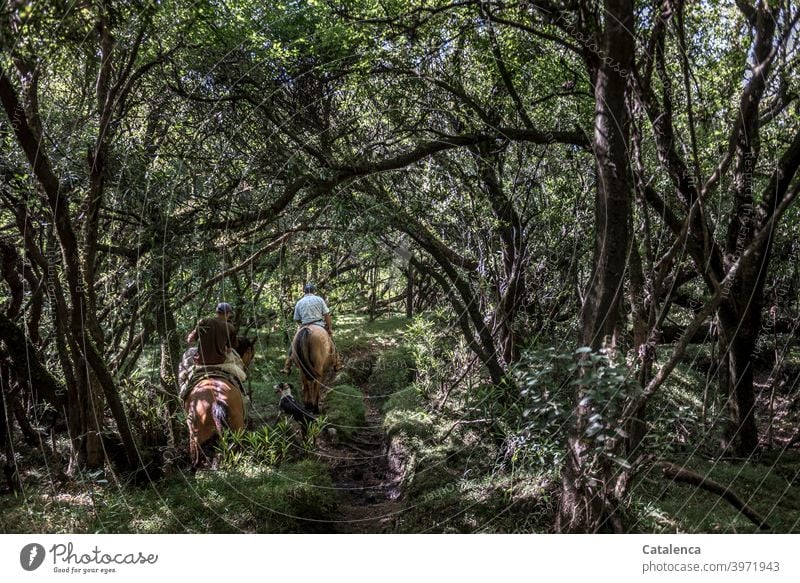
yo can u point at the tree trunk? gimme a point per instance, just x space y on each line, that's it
410 291
5 425
81 320
740 312
643 348
170 343
739 325
90 454
167 330
511 286
26 364
583 507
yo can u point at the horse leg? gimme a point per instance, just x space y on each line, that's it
311 395
194 447
336 363
210 453
315 396
306 390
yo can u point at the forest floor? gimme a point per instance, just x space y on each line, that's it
368 485
399 462
367 489
360 470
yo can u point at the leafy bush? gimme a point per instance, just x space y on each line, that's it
430 345
549 381
343 377
148 409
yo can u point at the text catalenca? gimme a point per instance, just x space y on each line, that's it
670 550
65 554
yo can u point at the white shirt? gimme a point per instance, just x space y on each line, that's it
310 310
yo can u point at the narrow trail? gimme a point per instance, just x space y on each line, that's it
359 466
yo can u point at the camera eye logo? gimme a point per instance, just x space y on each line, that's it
31 556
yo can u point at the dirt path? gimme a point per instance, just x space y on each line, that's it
369 490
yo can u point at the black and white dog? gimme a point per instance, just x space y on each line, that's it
289 405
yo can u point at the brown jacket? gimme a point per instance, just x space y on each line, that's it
214 335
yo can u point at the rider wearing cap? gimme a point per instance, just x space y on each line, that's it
312 310
216 336
216 339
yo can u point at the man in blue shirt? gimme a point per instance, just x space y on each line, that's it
312 309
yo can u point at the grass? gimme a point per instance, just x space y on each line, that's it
393 371
769 487
345 410
354 333
449 481
680 433
452 477
292 498
511 503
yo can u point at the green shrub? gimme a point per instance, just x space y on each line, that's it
343 377
393 370
549 379
148 409
268 446
406 399
431 345
359 368
404 412
345 409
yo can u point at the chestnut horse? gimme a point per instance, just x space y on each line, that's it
212 405
312 351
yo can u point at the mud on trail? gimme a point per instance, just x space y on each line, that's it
368 488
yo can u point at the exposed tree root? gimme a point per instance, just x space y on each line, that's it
679 474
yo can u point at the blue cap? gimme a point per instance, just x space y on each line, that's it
224 308
309 288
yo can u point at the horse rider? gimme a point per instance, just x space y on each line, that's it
312 310
216 339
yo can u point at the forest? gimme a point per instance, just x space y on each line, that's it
558 240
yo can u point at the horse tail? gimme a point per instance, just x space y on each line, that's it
302 348
219 412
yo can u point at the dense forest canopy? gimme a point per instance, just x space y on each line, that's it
572 203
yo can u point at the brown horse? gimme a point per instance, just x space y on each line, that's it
312 351
212 405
